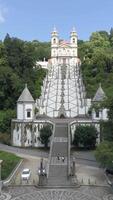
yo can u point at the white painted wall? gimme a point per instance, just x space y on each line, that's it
103 115
17 135
20 111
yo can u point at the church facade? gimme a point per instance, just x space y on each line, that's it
64 52
63 95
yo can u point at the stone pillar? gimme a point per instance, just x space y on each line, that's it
42 175
74 168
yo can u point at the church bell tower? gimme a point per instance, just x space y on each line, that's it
73 42
54 45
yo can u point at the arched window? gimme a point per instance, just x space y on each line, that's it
54 41
73 40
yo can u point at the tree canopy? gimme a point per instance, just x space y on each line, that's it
45 134
17 59
85 136
97 62
17 67
104 154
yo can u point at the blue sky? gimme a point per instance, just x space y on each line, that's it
34 19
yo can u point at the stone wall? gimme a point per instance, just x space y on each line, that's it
26 133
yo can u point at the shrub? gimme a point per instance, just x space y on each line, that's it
85 136
45 134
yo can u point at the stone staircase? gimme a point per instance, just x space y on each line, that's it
58 168
63 81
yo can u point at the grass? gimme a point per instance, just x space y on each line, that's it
9 162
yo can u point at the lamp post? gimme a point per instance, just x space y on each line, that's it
0 177
42 173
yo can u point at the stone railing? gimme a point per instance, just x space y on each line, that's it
50 153
7 181
69 146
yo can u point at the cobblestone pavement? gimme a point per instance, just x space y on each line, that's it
5 196
82 193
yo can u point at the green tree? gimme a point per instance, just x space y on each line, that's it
85 136
107 130
109 105
111 36
97 63
104 154
5 120
45 134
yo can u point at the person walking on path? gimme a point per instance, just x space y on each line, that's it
63 158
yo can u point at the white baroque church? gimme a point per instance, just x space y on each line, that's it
63 95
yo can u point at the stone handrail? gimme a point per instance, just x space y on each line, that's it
69 146
51 146
8 180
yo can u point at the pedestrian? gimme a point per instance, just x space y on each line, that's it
63 158
58 157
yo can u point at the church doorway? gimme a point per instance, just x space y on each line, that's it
62 116
64 61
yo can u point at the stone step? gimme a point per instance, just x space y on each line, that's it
58 161
59 148
52 181
60 139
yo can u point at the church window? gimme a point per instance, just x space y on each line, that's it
28 113
54 40
73 40
97 114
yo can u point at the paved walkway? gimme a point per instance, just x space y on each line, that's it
82 193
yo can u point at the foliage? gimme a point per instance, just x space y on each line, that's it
85 136
107 127
109 105
45 134
97 62
106 130
5 138
9 163
42 50
17 67
40 75
5 120
104 154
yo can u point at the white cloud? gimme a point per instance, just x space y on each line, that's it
2 16
3 12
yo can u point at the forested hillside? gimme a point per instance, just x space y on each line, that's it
97 62
97 67
17 58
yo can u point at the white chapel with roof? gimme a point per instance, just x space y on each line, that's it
63 95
